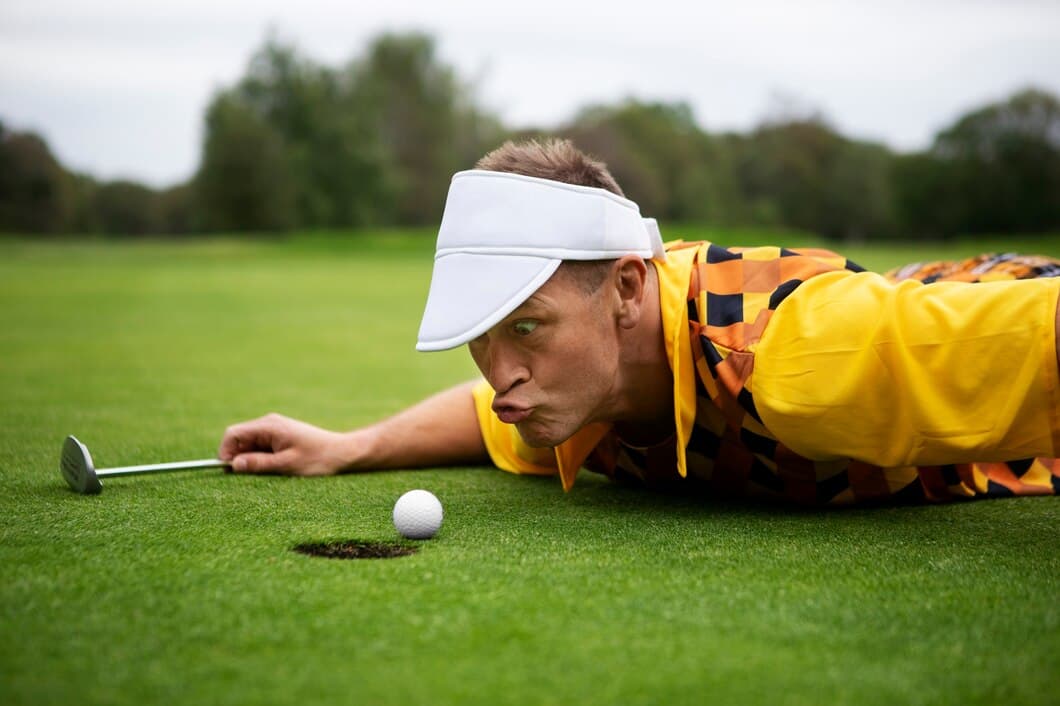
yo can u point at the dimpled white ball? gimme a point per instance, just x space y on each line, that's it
418 514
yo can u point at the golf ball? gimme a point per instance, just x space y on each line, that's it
417 514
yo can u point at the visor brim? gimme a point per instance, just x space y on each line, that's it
470 293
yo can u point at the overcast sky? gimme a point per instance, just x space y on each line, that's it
118 87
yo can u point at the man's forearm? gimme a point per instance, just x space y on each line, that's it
441 430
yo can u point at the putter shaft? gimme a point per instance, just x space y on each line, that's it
154 467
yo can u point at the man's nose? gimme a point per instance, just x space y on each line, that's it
505 370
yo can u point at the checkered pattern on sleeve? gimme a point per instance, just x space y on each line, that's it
733 293
982 268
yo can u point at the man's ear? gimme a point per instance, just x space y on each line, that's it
630 280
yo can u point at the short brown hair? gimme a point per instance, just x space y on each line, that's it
555 159
558 160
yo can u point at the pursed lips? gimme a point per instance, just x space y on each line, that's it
511 414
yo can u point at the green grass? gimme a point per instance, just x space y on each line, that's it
183 588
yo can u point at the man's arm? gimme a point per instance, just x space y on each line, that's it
441 430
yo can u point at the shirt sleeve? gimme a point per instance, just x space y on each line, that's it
506 448
909 374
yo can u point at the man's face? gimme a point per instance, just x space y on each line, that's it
553 362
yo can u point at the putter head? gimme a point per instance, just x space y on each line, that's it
76 466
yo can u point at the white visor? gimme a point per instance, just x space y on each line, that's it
503 235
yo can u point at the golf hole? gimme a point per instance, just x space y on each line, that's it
353 549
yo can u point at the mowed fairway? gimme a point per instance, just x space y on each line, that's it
184 589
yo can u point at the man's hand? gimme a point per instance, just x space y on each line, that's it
439 431
278 444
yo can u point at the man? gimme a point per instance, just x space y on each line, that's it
763 371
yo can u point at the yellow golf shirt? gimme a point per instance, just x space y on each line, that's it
798 375
912 374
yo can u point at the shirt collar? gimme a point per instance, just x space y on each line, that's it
674 276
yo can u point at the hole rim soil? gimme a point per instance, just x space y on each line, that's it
354 549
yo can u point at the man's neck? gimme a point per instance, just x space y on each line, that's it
645 406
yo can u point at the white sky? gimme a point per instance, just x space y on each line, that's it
119 87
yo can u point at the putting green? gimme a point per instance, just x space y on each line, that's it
185 587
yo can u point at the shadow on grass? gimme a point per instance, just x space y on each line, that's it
699 500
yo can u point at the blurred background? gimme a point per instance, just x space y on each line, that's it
858 121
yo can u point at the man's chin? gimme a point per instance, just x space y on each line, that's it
539 437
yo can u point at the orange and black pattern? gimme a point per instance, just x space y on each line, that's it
732 295
982 268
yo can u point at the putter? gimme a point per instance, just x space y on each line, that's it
76 467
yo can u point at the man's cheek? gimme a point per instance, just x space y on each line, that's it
477 360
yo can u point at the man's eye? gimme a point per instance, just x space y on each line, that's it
524 328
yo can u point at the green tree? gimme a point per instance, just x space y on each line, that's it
35 191
927 200
803 174
334 159
284 123
1003 164
662 159
786 164
858 199
83 218
126 208
244 180
422 118
175 209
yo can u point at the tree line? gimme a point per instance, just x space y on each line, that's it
299 145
